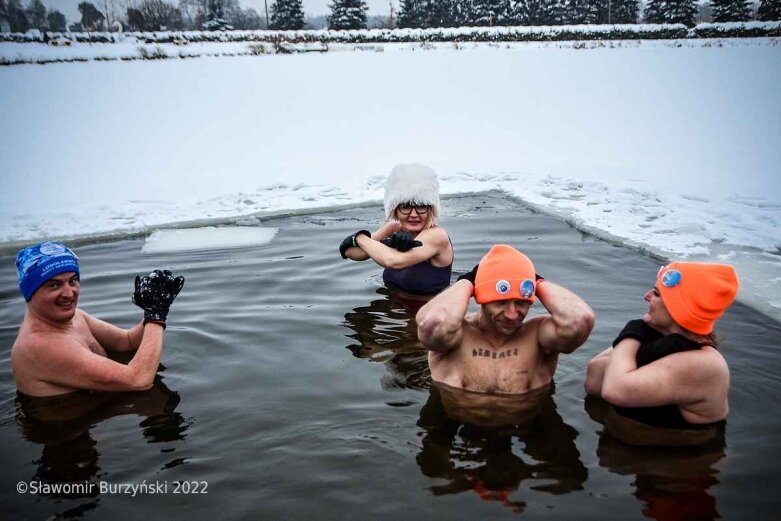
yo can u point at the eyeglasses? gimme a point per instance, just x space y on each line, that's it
406 209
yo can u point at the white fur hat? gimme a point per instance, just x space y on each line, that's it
411 182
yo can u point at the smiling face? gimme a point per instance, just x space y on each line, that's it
505 316
657 315
414 218
56 299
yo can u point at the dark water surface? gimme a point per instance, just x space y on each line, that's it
293 386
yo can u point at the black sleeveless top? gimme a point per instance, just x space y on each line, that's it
668 416
422 278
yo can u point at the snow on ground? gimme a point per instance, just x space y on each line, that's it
672 149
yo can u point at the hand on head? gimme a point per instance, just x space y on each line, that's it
470 276
155 292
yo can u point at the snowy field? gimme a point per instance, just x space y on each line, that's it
670 147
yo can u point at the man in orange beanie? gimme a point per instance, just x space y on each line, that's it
495 350
666 380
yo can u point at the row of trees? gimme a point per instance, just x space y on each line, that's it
19 19
456 13
137 15
351 14
190 15
155 15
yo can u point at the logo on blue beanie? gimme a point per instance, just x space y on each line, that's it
37 264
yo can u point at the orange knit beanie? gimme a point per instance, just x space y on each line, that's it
504 274
696 294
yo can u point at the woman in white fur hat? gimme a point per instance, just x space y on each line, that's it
416 253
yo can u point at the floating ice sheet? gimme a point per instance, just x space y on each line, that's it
207 238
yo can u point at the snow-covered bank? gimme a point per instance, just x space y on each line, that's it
131 49
674 150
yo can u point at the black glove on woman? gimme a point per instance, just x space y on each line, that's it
154 293
350 242
402 241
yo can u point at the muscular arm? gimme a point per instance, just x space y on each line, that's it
571 319
595 372
384 231
684 378
113 338
441 320
434 241
69 364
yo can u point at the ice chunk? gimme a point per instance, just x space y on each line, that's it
207 238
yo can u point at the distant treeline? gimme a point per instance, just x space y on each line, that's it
225 15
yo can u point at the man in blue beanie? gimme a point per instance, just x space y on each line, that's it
61 349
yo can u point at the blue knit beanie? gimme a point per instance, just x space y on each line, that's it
37 264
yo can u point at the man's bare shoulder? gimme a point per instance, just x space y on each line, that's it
35 337
42 342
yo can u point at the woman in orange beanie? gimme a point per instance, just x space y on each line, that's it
664 375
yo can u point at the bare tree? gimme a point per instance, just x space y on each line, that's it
160 15
193 12
109 10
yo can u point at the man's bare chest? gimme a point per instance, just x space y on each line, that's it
514 368
85 338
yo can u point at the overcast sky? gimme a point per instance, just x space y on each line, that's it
311 7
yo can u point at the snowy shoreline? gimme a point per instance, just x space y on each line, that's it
566 199
32 53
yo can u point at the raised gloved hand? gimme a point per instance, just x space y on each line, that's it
638 330
155 292
470 276
350 242
401 241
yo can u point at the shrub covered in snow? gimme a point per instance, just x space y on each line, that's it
389 36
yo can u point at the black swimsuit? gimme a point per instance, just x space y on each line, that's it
422 278
668 416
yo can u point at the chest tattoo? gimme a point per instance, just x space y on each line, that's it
494 355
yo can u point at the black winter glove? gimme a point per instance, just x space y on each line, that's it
350 242
402 241
154 293
661 347
470 276
638 330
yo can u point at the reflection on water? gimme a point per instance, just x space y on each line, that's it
386 332
61 424
671 483
525 439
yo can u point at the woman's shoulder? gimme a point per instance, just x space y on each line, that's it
436 232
